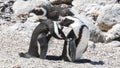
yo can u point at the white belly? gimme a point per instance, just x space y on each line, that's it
83 43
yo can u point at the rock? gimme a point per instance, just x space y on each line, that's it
6 10
113 33
17 66
57 2
24 6
104 27
83 2
109 16
113 44
97 36
91 10
91 44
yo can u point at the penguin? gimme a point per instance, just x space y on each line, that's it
50 12
42 34
75 41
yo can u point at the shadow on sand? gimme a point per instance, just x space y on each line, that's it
50 57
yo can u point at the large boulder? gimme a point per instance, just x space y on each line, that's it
109 16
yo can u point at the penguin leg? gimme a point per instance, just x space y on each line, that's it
63 56
69 50
71 53
43 41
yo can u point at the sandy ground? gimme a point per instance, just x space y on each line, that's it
12 42
15 38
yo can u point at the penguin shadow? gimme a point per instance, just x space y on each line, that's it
51 57
90 61
57 58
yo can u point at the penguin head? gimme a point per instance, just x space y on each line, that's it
38 13
45 12
66 22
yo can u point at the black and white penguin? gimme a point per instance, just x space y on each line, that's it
50 12
76 39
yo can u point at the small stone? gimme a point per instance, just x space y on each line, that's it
17 66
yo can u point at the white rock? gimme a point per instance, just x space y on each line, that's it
88 8
82 2
91 10
21 6
109 16
91 44
113 44
113 33
91 7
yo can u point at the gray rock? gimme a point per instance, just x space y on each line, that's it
109 16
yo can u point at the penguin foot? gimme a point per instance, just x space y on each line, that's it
25 55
